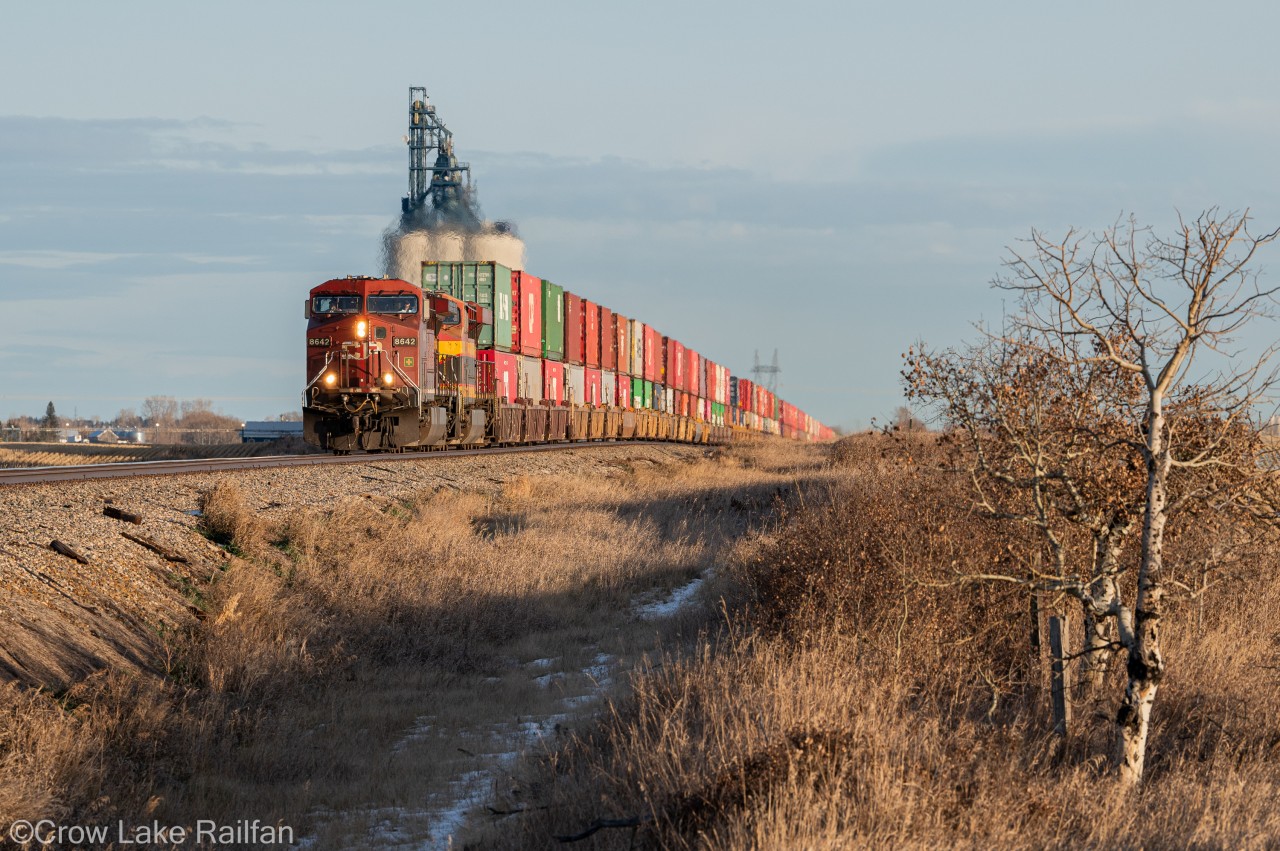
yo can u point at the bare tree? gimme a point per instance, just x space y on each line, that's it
1046 449
1163 311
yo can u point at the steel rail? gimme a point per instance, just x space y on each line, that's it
128 469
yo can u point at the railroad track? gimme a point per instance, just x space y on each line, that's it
127 469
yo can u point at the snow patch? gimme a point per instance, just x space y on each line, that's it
420 730
674 602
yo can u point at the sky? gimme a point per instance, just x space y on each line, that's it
835 181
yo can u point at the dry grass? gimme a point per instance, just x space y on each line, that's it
860 702
62 454
337 632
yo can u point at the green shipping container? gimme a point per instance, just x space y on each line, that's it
552 321
648 394
637 393
438 277
485 284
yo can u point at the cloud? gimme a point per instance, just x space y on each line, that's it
58 259
176 240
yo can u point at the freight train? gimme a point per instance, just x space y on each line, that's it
477 354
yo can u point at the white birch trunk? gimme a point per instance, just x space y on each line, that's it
1146 663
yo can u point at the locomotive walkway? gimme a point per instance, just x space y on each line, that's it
127 469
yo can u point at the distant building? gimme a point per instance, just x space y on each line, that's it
105 435
110 435
267 431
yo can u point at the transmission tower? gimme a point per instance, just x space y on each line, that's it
767 376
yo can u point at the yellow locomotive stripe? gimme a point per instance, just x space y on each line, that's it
449 347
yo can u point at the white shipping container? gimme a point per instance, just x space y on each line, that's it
575 384
636 358
608 387
530 381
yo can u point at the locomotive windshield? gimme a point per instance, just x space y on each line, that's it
400 303
335 304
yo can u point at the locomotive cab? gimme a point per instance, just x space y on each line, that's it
371 370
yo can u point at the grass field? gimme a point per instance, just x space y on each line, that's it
482 667
860 699
63 454
369 672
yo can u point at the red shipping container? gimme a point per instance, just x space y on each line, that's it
498 369
591 334
652 354
526 314
691 361
573 335
622 338
553 381
623 399
592 395
675 374
608 340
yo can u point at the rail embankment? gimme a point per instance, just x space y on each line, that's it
360 652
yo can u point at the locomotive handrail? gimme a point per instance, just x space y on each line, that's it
409 382
328 358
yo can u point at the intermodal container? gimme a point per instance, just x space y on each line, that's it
635 338
646 397
608 340
526 301
692 369
608 387
553 381
485 284
668 399
573 328
674 363
575 384
529 381
591 334
595 390
652 354
499 374
637 392
437 277
622 338
623 387
552 321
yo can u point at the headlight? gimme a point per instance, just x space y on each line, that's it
387 379
330 379
360 329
